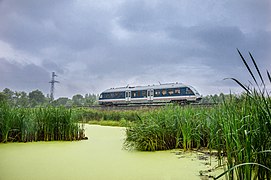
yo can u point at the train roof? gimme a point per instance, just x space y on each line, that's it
136 88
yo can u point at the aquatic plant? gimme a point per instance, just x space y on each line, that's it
167 128
247 128
38 124
87 114
238 129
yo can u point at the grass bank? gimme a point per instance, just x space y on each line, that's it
87 114
121 118
120 123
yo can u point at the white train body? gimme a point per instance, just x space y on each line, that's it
163 93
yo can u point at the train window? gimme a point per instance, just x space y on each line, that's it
189 91
118 95
121 95
157 92
177 91
164 92
134 94
144 93
183 91
170 92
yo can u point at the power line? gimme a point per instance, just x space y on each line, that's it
52 82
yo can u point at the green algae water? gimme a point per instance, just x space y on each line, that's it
100 157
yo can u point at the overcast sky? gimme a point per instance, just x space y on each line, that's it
93 45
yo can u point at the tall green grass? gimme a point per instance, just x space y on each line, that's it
248 128
87 114
168 128
38 124
239 129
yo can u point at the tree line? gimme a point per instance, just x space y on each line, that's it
36 98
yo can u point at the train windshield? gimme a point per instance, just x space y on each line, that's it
194 90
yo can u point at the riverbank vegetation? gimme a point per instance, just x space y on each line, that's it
121 118
236 127
38 124
88 114
239 129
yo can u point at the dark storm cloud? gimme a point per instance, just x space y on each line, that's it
35 25
25 24
52 66
208 37
23 77
93 45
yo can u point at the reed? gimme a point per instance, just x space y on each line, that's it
247 128
121 123
39 124
87 114
167 128
239 129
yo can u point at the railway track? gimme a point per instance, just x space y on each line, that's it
145 106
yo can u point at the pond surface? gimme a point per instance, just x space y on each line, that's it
100 157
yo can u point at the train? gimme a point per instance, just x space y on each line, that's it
150 94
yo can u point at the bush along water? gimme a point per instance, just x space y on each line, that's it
38 124
239 129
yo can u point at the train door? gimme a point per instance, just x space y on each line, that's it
150 94
128 96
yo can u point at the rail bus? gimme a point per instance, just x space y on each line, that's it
151 94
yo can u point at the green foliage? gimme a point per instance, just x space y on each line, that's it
78 100
22 99
3 97
38 124
215 99
9 93
238 128
36 98
120 123
87 114
167 128
91 99
62 101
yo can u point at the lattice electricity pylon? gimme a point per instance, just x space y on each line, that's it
52 82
